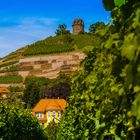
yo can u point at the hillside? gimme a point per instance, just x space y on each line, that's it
51 45
49 57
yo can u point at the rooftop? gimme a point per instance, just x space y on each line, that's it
50 104
4 90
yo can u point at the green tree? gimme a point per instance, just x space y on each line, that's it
59 88
96 26
17 123
62 30
34 90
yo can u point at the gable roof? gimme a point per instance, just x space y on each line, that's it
4 90
50 104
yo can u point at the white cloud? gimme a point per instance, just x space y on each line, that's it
25 31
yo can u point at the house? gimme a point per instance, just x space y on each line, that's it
47 110
4 93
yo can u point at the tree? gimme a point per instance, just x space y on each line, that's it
96 26
34 90
17 123
60 88
62 30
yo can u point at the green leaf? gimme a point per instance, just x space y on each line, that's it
119 2
117 138
128 49
136 89
86 132
97 124
112 130
136 106
136 20
138 68
108 4
121 91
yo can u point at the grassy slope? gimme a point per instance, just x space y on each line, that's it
57 44
50 45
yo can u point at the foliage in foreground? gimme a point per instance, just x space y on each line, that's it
18 124
105 100
51 130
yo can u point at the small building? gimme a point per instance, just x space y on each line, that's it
47 110
4 93
78 26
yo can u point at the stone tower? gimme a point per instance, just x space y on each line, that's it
78 26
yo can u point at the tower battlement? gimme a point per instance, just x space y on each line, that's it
78 26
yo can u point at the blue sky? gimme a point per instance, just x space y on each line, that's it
23 22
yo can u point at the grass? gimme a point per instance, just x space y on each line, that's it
7 79
59 44
51 45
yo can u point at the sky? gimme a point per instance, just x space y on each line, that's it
23 22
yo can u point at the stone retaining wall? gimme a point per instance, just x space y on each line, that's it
47 66
51 66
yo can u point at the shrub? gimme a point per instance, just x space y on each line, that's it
17 123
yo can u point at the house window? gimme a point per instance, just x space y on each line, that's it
59 115
54 114
49 116
39 115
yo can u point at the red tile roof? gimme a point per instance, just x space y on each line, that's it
4 90
50 104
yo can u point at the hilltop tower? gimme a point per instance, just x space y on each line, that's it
78 26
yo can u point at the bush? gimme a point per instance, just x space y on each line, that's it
17 123
51 130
